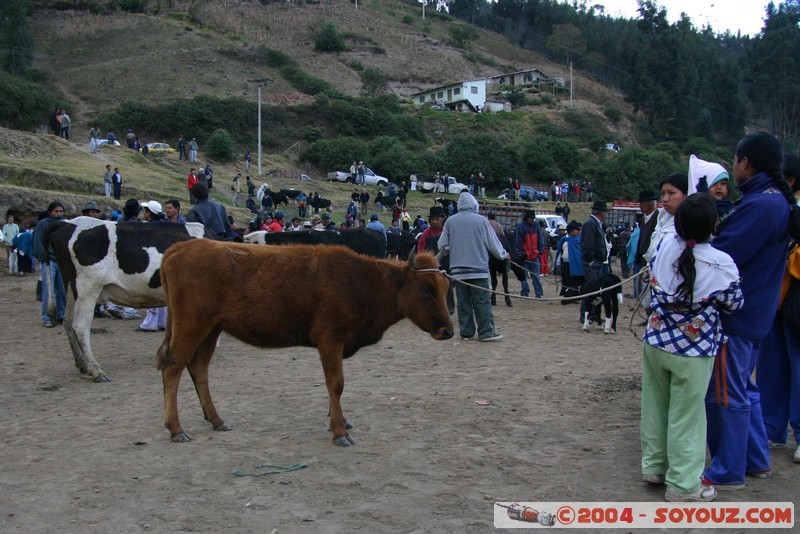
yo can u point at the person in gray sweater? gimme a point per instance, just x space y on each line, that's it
469 239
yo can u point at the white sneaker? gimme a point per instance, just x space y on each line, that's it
776 444
703 494
796 458
493 337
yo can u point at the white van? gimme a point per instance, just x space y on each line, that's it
551 223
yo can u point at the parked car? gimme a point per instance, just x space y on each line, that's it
160 148
551 223
526 193
370 178
449 185
105 142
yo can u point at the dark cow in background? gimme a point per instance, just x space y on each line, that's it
277 198
400 245
102 260
305 237
319 203
321 314
606 302
291 194
360 240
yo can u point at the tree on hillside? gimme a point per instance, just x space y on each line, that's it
16 40
566 42
775 68
373 82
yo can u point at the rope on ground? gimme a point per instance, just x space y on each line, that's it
276 469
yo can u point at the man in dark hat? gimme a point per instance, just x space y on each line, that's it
130 213
530 241
327 223
647 203
593 247
90 210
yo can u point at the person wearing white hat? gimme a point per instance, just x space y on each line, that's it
156 318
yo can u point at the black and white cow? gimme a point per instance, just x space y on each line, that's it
102 260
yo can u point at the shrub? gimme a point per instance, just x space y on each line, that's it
329 39
311 134
373 82
461 35
336 153
613 113
220 146
26 104
407 19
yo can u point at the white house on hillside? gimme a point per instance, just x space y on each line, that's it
460 96
523 77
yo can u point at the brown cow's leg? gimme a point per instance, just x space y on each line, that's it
331 357
171 376
198 369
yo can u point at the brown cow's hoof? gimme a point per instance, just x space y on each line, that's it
181 437
101 378
344 441
223 427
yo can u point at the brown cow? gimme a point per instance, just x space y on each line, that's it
318 287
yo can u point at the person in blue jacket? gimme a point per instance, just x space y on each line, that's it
778 369
755 233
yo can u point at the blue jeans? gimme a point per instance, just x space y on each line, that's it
474 307
58 289
532 268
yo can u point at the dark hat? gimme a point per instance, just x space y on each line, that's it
373 217
647 196
436 211
89 206
573 226
132 206
491 215
326 217
279 215
599 205
529 213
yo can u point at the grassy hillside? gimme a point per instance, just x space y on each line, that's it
182 49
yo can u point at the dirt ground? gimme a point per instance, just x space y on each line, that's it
561 424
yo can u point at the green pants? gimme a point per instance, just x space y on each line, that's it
674 416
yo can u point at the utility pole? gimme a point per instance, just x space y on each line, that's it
260 82
259 129
571 84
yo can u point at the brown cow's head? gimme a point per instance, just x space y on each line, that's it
423 296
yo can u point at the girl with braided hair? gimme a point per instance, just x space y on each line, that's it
691 284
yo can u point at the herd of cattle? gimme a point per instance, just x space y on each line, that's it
145 266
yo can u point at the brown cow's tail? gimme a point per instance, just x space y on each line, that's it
163 357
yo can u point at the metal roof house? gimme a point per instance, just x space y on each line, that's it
459 96
523 77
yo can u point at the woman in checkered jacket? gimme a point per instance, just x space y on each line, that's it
691 284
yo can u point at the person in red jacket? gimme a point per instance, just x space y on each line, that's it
277 223
191 179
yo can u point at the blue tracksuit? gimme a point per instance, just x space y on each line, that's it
755 233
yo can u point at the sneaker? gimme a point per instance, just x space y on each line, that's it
767 473
493 337
47 323
776 444
140 329
466 338
703 494
722 487
796 458
657 479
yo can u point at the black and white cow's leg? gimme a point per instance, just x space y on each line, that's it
78 324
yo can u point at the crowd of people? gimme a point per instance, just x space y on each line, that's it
721 347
